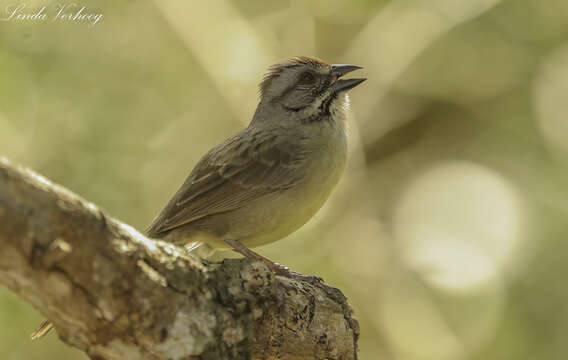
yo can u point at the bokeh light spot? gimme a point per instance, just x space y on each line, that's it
458 225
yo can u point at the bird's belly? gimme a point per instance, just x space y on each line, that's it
273 218
284 216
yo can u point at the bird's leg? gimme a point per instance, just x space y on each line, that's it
278 269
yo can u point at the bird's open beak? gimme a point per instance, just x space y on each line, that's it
337 71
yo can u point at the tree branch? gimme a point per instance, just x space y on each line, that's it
115 294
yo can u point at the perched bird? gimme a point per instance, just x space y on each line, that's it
266 181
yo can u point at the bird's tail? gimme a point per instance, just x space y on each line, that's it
199 249
192 246
41 330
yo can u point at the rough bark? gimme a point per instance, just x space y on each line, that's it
115 294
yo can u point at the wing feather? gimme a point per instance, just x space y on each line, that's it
243 168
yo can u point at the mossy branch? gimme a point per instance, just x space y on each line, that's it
116 294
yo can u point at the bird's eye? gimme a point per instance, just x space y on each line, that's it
307 77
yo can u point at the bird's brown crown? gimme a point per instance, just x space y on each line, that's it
275 70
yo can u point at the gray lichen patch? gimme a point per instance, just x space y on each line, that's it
189 334
233 335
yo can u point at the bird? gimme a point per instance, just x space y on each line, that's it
266 181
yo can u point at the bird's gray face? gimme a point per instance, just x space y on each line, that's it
307 87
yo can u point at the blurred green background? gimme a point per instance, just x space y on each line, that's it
447 234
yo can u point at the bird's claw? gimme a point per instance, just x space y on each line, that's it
284 271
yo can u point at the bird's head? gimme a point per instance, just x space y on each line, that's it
307 87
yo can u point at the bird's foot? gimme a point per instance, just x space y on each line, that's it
277 269
284 271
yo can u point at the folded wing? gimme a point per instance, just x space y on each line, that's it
243 168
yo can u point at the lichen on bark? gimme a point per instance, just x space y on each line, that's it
116 294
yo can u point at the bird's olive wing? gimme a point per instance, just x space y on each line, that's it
244 168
